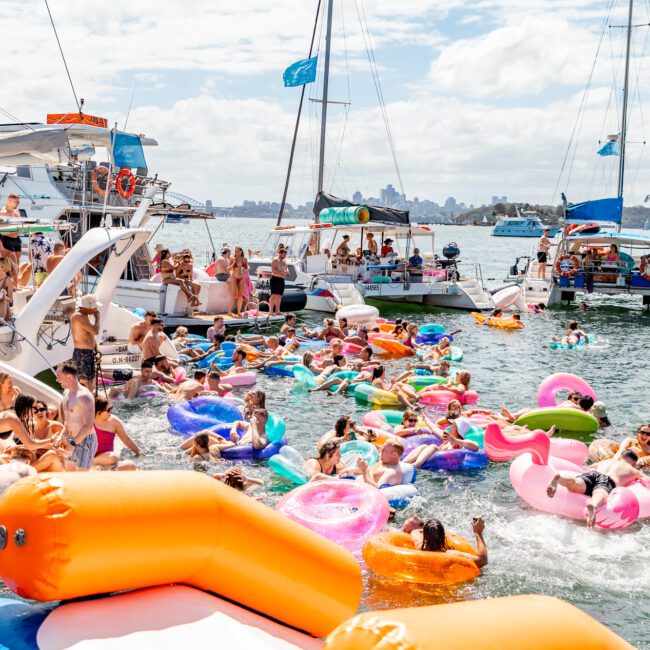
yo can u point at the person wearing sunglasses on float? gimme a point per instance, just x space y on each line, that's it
640 445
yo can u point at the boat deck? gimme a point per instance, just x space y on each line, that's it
205 320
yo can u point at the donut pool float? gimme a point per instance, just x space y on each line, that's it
275 430
289 463
392 554
240 378
565 419
201 413
368 393
548 389
345 512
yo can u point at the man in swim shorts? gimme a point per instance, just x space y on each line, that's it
84 333
78 411
599 481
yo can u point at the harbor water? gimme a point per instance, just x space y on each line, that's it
607 574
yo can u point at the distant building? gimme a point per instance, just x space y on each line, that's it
499 199
389 196
357 197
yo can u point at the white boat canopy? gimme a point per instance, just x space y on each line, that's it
52 144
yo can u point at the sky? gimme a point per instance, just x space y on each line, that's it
482 96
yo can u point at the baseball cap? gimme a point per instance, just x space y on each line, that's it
599 411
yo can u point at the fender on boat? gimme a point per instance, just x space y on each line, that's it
100 532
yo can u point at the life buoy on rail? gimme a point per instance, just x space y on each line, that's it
567 265
125 189
94 179
321 225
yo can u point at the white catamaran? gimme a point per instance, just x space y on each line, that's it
588 258
332 280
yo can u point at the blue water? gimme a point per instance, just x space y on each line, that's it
605 574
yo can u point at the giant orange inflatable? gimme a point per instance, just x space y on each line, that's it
512 623
75 534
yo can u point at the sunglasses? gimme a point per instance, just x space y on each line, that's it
108 409
644 433
41 409
352 423
412 420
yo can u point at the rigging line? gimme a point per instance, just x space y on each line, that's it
582 103
13 117
380 95
128 113
65 63
295 132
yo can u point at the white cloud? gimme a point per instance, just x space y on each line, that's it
517 59
488 133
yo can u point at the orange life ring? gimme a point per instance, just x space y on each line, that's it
94 179
130 178
567 265
321 225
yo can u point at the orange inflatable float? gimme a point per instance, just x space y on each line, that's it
511 623
504 323
393 347
75 534
393 554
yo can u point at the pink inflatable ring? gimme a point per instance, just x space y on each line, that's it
548 389
346 512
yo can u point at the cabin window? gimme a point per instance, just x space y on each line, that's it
23 171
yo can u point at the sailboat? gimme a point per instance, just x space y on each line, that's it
588 258
362 271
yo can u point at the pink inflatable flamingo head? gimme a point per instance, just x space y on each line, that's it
498 446
620 510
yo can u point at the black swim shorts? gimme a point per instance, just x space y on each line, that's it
12 244
84 362
594 479
277 286
542 258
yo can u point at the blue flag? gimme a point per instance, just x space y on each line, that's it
611 148
301 72
127 151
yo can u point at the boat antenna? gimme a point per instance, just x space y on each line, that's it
295 130
621 162
326 75
65 63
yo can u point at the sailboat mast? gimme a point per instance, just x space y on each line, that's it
326 75
621 162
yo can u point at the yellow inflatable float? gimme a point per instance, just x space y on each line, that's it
503 322
70 535
512 623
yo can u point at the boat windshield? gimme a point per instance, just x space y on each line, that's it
296 243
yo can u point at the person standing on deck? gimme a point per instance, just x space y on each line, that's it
84 333
279 272
542 253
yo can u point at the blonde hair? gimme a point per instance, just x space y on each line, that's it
4 262
464 377
180 332
3 378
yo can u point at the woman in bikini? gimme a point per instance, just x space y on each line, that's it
168 276
107 427
237 267
328 463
